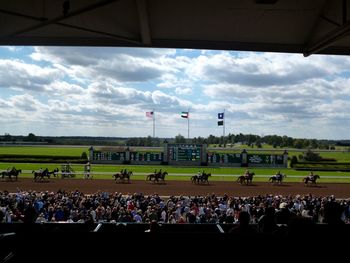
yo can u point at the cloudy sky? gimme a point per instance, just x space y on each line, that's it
62 91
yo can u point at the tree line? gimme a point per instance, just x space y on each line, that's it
230 140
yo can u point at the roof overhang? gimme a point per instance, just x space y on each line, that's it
305 26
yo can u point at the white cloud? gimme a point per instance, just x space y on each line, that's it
183 91
106 92
17 74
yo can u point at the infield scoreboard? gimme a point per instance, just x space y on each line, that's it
185 153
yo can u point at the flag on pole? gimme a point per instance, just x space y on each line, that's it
149 114
221 116
220 123
184 114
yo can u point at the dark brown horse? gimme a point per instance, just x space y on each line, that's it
122 177
151 177
278 178
311 180
194 178
161 176
246 179
156 177
13 173
46 173
203 178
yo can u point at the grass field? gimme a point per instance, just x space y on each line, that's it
181 173
53 151
77 151
175 172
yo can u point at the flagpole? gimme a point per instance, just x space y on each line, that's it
188 124
224 126
154 124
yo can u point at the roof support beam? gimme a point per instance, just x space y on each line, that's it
339 32
328 40
109 35
144 22
345 11
62 17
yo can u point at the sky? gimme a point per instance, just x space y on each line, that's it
100 91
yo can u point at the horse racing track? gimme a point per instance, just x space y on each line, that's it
178 187
90 240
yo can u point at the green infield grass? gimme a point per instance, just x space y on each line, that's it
181 173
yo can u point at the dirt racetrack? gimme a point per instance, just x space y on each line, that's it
178 187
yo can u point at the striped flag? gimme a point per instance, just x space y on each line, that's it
149 114
184 114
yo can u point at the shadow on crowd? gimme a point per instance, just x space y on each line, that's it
280 233
28 242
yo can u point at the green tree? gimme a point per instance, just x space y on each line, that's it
312 156
84 156
148 141
298 143
31 137
314 144
7 137
258 143
180 139
293 161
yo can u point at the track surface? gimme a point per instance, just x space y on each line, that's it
178 187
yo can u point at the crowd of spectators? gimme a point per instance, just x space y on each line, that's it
263 210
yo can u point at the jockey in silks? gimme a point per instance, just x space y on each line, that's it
246 173
278 175
311 176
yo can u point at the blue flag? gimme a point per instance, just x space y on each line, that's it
221 116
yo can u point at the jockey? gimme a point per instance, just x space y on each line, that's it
87 170
246 173
311 175
278 175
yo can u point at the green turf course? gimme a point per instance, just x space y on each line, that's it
175 172
182 173
53 151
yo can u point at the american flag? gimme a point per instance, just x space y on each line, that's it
149 114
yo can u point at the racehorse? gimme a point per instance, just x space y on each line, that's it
12 173
161 176
155 177
150 177
204 178
195 178
246 179
277 178
311 180
122 177
201 178
45 173
54 172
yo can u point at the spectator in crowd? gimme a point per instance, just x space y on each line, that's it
267 223
243 227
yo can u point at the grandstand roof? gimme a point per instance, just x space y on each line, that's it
302 26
